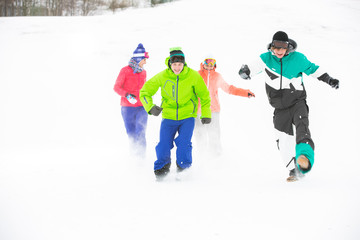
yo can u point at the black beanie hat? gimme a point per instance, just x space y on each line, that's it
176 55
281 36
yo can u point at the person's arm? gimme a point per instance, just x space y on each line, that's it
147 91
249 70
334 83
203 93
118 87
317 72
231 89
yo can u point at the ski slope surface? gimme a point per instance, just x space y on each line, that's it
66 172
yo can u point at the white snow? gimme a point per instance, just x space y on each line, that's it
65 168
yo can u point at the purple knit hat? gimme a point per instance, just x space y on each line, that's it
140 53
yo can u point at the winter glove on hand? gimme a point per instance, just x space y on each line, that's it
329 80
131 98
206 120
129 94
155 110
334 83
250 94
244 72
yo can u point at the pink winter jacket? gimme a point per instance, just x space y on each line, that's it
129 82
214 81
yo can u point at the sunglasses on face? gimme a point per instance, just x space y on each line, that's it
146 55
280 44
210 62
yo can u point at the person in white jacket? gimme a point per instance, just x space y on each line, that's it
208 136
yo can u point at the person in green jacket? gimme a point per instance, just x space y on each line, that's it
181 87
286 93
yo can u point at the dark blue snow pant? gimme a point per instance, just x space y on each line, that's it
168 130
135 120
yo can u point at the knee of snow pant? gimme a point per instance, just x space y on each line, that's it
140 131
183 143
301 122
129 115
141 122
306 150
282 121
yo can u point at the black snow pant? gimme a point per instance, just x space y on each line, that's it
284 122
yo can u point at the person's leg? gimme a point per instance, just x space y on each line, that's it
183 143
285 136
213 128
304 144
200 136
140 130
128 115
168 130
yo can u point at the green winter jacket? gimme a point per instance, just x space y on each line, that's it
179 93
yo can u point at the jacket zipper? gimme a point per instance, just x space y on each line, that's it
193 105
208 79
281 75
281 69
177 94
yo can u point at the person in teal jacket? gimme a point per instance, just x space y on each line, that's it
181 87
286 93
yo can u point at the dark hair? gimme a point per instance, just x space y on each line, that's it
177 58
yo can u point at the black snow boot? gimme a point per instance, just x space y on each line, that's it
294 175
161 173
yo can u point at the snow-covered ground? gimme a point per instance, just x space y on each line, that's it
65 168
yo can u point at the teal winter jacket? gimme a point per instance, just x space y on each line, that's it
284 82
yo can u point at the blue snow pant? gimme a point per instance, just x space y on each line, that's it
168 130
135 120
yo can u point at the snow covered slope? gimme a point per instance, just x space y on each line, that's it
65 168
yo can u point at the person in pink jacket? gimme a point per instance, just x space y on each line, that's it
128 84
208 136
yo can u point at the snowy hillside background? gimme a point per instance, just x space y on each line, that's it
65 167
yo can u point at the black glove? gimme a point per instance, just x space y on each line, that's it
250 94
244 72
206 120
155 110
329 80
334 83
